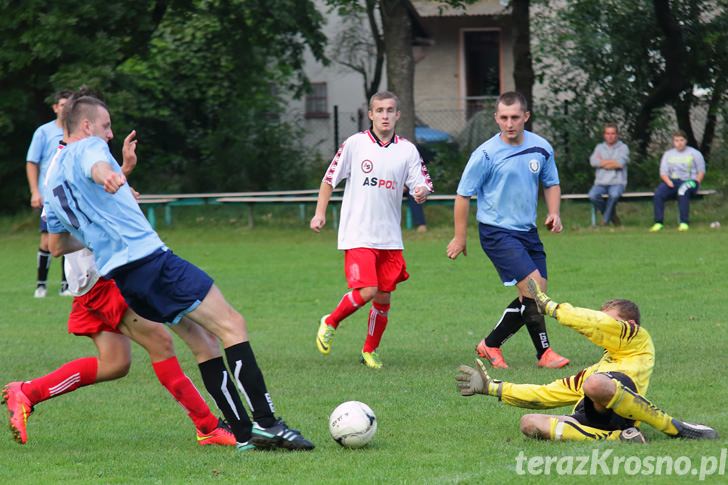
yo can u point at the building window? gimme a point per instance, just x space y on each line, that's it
317 101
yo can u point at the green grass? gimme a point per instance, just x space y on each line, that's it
283 280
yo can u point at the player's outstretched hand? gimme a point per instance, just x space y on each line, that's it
420 194
317 222
456 247
553 223
546 305
128 152
113 182
473 381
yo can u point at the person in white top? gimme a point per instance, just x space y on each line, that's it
378 164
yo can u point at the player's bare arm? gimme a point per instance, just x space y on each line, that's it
128 152
667 181
552 195
103 174
460 216
31 171
63 243
319 219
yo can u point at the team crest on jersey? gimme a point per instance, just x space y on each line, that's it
533 165
367 166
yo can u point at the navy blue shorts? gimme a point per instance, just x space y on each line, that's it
515 254
586 414
162 287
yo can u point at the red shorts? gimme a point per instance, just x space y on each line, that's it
99 310
383 268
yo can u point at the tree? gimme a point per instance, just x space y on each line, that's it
523 75
636 63
197 79
396 20
359 49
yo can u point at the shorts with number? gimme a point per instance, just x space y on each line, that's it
380 268
586 414
515 254
99 310
162 287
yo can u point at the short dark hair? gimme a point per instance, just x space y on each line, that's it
61 94
81 107
627 309
378 96
512 97
679 133
611 124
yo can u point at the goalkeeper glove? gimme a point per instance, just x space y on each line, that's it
546 305
685 186
476 381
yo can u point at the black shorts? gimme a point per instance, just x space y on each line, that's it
585 413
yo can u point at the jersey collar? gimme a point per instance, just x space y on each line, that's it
374 139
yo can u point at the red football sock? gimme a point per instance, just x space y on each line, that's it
184 391
67 378
349 304
377 323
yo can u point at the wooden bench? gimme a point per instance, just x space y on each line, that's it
167 201
627 196
309 197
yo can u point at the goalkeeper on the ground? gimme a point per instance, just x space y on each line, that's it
608 396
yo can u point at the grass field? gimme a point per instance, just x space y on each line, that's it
283 280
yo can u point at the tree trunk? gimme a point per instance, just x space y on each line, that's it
523 75
712 118
682 113
373 86
673 80
397 27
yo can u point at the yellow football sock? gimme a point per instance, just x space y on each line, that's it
631 405
571 431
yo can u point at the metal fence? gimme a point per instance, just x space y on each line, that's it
470 122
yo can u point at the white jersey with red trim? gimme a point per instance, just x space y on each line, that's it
81 271
376 173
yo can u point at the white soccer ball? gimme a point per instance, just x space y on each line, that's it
352 424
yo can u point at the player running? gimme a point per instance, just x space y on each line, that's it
378 165
608 396
505 173
89 204
100 312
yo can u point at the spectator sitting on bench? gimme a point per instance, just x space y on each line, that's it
610 160
682 169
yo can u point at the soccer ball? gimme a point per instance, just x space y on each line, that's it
352 424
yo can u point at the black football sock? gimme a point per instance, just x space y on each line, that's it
220 386
509 323
249 379
44 262
536 325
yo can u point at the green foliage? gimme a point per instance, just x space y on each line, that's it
198 80
427 432
602 59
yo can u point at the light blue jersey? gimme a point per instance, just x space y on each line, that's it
43 146
505 179
111 225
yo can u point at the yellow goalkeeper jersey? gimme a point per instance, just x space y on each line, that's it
628 349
